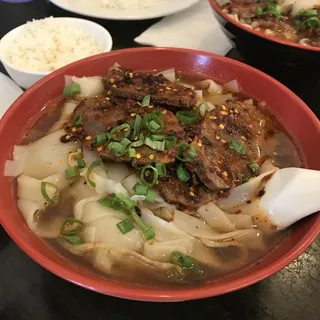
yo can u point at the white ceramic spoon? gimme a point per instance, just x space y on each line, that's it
290 195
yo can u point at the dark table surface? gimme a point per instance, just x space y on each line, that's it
29 292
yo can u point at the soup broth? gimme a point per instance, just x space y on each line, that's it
124 225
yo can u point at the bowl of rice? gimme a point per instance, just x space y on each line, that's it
33 50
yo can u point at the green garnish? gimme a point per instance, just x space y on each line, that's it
74 239
140 189
80 161
125 226
259 11
136 126
93 165
237 146
156 145
120 132
71 90
186 152
170 141
152 122
71 227
100 139
206 107
145 101
72 172
151 196
140 142
183 261
51 200
161 168
149 175
117 148
183 174
132 153
77 120
254 167
188 117
105 202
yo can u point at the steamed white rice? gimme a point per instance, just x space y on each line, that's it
48 44
115 4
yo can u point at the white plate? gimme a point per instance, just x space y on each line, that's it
159 10
9 92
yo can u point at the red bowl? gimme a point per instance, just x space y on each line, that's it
260 47
297 118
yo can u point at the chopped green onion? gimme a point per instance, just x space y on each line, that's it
117 148
148 231
186 152
125 129
71 227
72 172
55 198
93 165
170 141
151 196
237 146
254 167
259 11
71 90
140 189
146 101
183 174
206 107
152 122
156 145
77 120
181 260
105 202
74 239
136 126
132 153
125 226
188 117
274 9
126 142
161 168
149 175
100 139
140 142
121 203
80 161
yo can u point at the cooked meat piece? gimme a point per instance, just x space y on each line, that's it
177 193
235 124
136 85
243 8
101 115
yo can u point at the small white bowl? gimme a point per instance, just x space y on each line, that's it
26 78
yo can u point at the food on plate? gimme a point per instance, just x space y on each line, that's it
294 21
47 44
137 175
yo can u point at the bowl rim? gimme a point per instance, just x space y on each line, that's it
216 8
150 294
11 34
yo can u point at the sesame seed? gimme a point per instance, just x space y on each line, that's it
111 80
243 138
223 141
107 98
132 115
151 157
221 126
217 137
191 194
224 113
88 138
68 137
125 129
131 75
157 182
109 92
231 111
99 149
150 107
199 143
168 88
217 168
138 155
175 90
236 110
191 93
74 129
225 174
160 90
139 103
164 111
212 117
223 107
114 86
